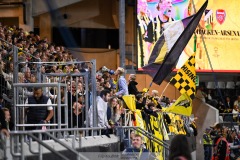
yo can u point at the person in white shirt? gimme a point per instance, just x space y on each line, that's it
102 101
102 104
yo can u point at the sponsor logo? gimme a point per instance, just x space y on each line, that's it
220 16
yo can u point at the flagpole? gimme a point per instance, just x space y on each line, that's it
164 90
150 86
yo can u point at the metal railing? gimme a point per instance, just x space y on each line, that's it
19 108
231 119
85 76
19 145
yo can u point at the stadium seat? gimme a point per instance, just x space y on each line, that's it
230 85
211 85
238 84
221 85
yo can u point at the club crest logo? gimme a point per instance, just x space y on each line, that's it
220 16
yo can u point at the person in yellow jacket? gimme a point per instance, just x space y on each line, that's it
207 144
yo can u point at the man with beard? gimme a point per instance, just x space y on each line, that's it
102 104
38 114
137 151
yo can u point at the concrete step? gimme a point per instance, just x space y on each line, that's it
31 150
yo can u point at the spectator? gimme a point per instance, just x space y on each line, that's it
210 98
132 89
154 94
42 114
235 113
136 151
114 113
7 118
77 115
234 145
102 105
3 128
141 101
221 148
237 102
201 94
122 88
102 108
179 148
228 103
207 144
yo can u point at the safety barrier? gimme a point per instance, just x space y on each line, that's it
37 146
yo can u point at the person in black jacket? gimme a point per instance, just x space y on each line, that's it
179 148
141 104
132 89
38 114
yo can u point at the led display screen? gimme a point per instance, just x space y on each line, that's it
218 33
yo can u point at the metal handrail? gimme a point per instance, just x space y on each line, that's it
147 134
47 146
55 130
47 132
38 84
229 113
42 143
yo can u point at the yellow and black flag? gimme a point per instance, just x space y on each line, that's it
184 80
130 101
183 106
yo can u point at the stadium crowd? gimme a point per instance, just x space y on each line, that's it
110 85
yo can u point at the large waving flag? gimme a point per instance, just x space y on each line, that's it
184 80
170 45
183 106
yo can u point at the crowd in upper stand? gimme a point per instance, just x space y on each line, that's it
225 100
31 48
